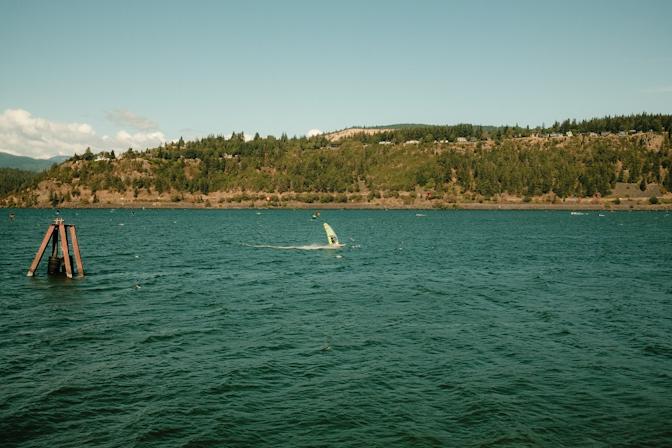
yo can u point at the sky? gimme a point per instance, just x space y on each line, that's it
119 74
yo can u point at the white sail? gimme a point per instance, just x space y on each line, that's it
331 235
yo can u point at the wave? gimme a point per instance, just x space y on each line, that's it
303 247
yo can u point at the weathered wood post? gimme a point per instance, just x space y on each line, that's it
58 231
75 251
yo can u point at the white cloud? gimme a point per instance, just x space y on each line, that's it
123 117
140 139
21 133
313 133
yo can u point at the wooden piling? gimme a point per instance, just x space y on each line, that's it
64 249
75 251
54 241
40 251
58 232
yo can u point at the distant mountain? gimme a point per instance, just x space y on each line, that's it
28 163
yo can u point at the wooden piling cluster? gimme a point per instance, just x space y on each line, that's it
58 232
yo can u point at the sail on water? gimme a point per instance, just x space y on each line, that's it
332 241
331 236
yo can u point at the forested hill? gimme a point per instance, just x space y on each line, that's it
620 123
28 163
428 166
616 124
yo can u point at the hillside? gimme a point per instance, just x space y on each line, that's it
353 132
527 172
28 163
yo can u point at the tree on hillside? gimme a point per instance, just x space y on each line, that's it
88 155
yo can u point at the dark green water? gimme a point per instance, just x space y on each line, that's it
452 329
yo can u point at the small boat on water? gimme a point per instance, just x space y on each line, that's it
316 215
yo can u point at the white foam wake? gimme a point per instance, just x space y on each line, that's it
304 247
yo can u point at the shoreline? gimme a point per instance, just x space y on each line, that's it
607 207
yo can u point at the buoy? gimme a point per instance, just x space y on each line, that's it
62 264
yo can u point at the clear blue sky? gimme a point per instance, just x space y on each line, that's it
199 67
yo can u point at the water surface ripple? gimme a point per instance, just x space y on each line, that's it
451 329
